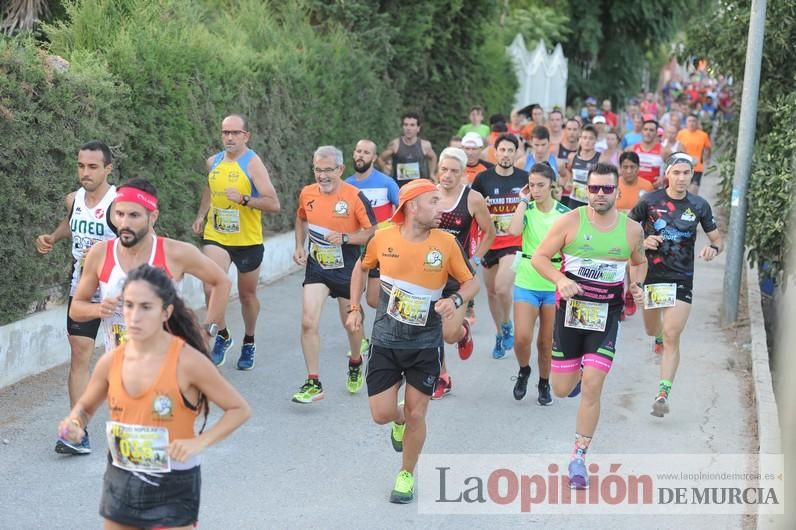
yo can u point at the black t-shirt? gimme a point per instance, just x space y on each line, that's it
502 196
676 220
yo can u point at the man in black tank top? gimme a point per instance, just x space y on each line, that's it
569 144
460 206
580 164
408 156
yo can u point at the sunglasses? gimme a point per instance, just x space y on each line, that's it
607 188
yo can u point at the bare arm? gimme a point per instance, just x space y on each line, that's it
198 371
301 231
552 244
708 253
386 155
71 427
480 211
193 262
82 308
45 242
358 279
267 201
638 260
431 157
201 213
517 224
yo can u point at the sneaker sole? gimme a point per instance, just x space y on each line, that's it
313 400
401 498
356 390
223 360
63 448
246 369
544 404
659 410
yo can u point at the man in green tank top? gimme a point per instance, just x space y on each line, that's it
595 243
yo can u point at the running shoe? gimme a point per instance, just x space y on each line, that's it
658 346
310 391
578 477
356 378
443 387
220 349
630 304
660 407
469 315
66 447
508 335
404 490
246 359
544 397
499 352
397 435
364 348
521 385
466 344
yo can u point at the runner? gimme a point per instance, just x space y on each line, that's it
696 143
595 243
87 220
415 260
381 191
555 125
460 206
473 146
610 118
476 123
338 219
534 296
670 218
669 144
580 164
540 151
233 231
409 156
569 144
610 154
500 186
649 154
135 212
633 136
601 128
156 385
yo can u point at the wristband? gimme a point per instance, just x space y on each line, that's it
354 307
524 200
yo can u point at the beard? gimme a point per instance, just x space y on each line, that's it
136 237
361 167
604 206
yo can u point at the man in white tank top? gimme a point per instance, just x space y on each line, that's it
87 222
107 264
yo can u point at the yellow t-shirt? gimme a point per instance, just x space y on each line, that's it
229 223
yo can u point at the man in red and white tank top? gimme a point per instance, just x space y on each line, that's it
650 155
107 263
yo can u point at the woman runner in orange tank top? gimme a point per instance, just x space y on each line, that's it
156 384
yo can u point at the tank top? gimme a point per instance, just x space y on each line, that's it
650 162
596 260
111 282
551 161
409 163
580 175
457 220
229 223
563 156
88 226
160 405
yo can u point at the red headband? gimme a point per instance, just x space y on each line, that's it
130 194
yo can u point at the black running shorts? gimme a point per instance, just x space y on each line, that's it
492 257
88 329
246 259
387 366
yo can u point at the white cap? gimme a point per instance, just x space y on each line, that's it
598 119
472 139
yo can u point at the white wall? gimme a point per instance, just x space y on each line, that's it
39 342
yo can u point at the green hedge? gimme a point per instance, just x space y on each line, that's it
154 78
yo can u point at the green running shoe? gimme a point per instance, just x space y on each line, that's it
310 391
355 378
404 490
364 348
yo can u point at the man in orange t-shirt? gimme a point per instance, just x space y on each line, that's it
631 187
696 143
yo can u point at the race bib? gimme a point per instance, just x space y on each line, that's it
502 221
657 295
580 190
138 447
226 221
408 171
586 315
330 257
408 308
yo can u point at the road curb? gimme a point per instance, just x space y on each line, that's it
768 429
37 343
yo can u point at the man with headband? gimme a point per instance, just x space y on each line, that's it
135 211
670 218
415 260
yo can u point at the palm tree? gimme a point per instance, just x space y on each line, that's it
21 14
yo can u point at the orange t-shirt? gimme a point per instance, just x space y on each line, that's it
161 405
472 171
694 143
629 194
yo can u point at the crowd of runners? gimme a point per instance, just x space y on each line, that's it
576 222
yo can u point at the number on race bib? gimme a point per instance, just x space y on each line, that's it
408 308
581 314
658 295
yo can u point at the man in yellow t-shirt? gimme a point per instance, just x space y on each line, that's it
696 143
239 189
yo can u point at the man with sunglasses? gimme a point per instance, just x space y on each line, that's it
238 191
670 218
595 243
338 219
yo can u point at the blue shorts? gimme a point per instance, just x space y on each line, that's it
535 298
